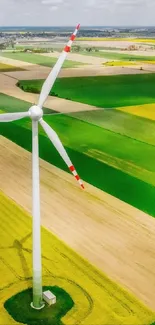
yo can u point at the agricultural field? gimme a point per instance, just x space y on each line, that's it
112 55
10 104
126 174
102 91
147 111
98 39
8 68
118 63
117 121
38 59
96 299
107 147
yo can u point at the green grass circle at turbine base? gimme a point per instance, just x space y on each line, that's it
19 307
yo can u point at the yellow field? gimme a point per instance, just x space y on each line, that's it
6 67
98 301
144 40
137 40
146 62
147 110
118 63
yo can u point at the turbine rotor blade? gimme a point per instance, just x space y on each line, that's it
59 147
49 82
9 117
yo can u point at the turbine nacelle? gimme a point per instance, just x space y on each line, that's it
35 113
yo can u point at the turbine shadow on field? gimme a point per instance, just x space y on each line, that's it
18 244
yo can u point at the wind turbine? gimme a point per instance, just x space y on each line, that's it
36 114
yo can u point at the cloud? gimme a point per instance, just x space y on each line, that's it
88 12
49 2
53 8
96 4
91 3
131 3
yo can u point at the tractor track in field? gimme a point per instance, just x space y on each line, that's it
49 278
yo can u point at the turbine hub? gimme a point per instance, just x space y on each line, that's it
36 113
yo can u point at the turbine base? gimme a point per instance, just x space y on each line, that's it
37 308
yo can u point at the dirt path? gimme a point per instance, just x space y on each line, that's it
117 238
86 71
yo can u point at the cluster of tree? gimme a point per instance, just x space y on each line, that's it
2 46
38 50
78 48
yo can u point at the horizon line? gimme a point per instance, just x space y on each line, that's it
75 24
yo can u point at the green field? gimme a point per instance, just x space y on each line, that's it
38 59
95 298
103 91
131 126
108 160
112 55
11 104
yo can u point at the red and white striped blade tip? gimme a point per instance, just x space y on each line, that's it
74 172
67 48
78 26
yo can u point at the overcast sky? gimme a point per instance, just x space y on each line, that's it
70 12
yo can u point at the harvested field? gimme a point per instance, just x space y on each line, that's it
96 226
105 43
89 70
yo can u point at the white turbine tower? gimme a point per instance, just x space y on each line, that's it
36 114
